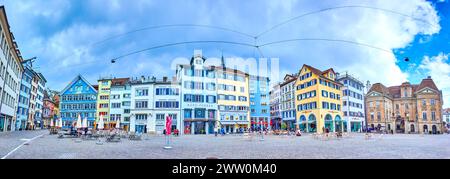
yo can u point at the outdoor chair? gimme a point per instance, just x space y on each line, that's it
113 138
135 137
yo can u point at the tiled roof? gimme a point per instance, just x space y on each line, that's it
119 81
378 87
395 91
427 82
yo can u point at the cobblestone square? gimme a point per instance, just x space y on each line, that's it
354 146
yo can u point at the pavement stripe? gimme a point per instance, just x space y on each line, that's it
12 151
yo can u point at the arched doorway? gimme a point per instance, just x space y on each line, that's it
412 129
312 123
434 129
329 122
399 125
338 123
425 129
302 123
378 127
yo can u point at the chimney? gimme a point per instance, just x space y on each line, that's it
429 77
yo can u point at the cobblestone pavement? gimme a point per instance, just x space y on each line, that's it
10 140
240 147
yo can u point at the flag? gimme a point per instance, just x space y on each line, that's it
168 125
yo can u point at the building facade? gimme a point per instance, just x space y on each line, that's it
287 95
167 97
407 108
79 97
275 107
198 95
11 70
39 101
318 100
352 103
232 99
24 97
142 118
120 102
48 110
104 90
260 102
446 117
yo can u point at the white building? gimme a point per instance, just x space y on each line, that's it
167 97
198 96
352 103
11 71
142 119
275 106
120 102
287 95
39 123
446 117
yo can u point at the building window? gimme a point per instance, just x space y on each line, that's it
141 104
424 116
141 116
433 102
433 115
141 92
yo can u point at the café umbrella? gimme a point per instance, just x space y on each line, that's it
60 123
78 125
118 124
100 123
85 121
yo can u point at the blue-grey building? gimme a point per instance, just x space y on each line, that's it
259 101
24 97
79 97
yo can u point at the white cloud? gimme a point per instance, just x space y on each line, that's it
438 67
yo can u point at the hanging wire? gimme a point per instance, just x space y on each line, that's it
339 7
173 25
183 43
328 40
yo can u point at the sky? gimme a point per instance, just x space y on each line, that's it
68 36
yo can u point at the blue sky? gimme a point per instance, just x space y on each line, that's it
61 33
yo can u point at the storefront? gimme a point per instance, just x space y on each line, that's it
2 123
141 129
329 123
199 127
355 126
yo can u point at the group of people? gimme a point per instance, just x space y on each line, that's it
175 132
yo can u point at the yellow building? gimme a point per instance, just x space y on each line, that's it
233 99
104 88
318 100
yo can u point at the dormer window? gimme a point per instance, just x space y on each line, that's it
198 61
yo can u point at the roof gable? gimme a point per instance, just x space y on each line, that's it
79 85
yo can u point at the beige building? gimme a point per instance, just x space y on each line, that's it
407 108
